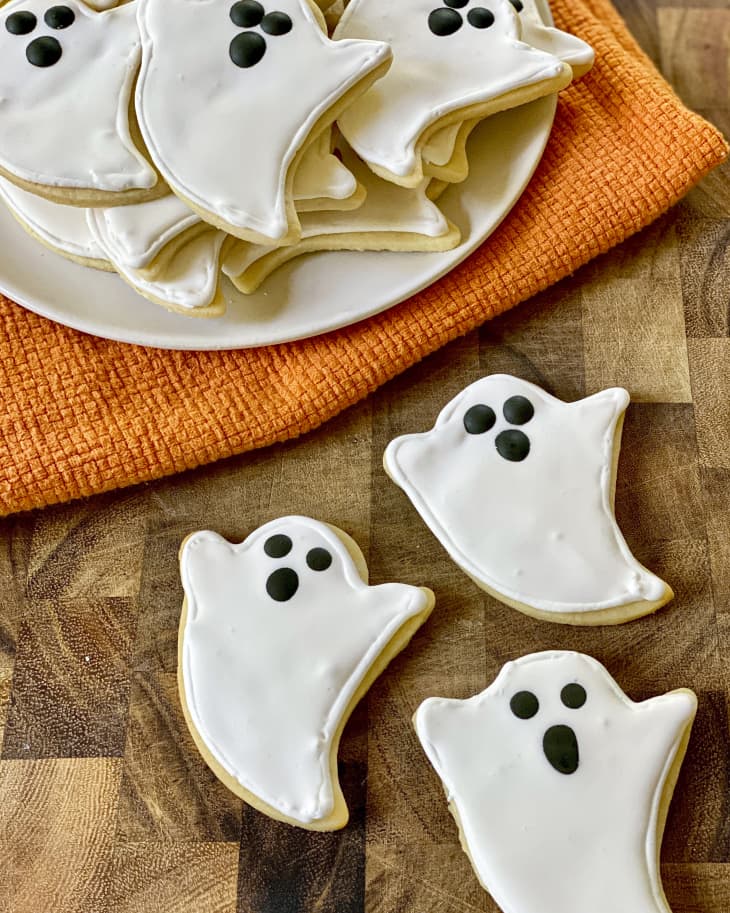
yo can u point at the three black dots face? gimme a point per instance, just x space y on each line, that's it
283 583
46 50
559 743
249 47
512 444
447 20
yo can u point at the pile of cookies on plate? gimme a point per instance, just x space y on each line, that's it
175 142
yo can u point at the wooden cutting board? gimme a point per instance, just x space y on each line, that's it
106 807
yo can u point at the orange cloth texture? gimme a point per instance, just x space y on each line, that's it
81 415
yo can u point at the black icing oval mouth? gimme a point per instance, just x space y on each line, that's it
560 746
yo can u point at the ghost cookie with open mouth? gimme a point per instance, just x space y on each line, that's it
66 77
560 784
231 94
452 62
518 487
280 637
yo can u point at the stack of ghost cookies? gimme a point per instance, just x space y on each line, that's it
176 142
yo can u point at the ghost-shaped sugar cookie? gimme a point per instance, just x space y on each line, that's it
66 78
231 93
280 637
444 155
518 487
560 784
391 218
451 63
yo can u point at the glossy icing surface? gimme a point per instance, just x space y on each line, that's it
65 124
63 228
280 632
549 840
525 506
388 208
432 75
200 136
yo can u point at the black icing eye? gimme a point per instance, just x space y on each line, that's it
59 17
518 410
44 52
573 696
512 445
247 49
276 24
21 23
524 705
518 5
318 559
277 546
479 419
456 4
247 13
445 22
282 584
480 18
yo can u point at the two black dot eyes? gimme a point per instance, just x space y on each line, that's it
525 705
23 23
248 48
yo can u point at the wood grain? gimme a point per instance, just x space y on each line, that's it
106 806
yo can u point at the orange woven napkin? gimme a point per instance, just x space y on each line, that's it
80 415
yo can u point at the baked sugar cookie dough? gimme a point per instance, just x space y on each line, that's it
449 65
560 784
260 86
518 487
280 637
391 218
66 77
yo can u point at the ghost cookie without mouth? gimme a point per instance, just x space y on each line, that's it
451 62
560 784
66 77
230 95
280 637
518 487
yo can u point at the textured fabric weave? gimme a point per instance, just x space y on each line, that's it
81 415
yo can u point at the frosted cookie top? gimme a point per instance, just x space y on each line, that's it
558 783
280 633
444 60
66 74
518 487
230 91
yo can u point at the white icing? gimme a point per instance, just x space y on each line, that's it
439 148
134 235
432 76
540 532
222 136
388 210
67 125
542 841
63 228
569 48
267 683
190 280
321 175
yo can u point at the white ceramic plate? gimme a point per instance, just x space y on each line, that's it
308 296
